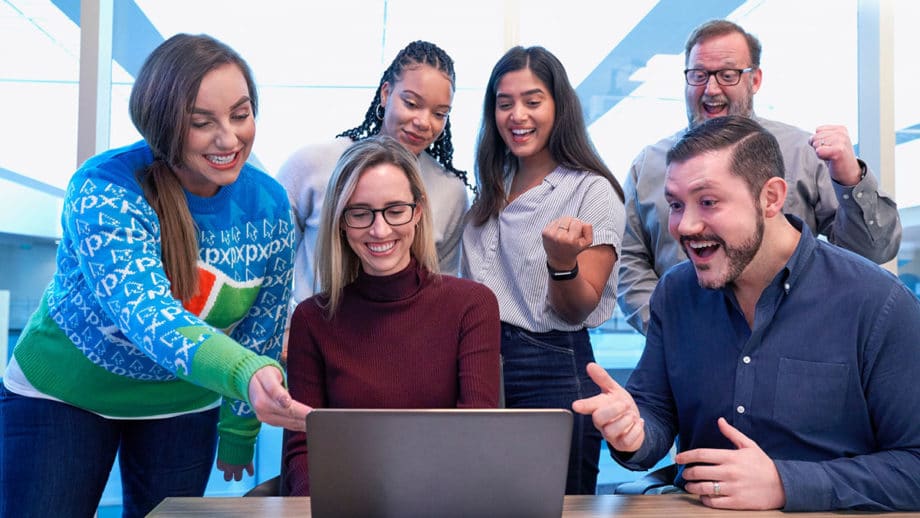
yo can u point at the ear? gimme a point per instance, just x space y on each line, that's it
419 210
772 196
384 93
756 79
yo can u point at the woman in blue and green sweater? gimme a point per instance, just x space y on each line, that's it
161 327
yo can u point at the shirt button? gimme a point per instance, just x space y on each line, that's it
846 196
872 222
859 195
746 359
740 409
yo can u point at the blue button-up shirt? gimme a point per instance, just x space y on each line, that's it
825 382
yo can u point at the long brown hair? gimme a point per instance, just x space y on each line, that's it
569 143
160 105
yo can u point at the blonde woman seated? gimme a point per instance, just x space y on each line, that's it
386 330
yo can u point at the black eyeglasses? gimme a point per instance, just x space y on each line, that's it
725 77
395 215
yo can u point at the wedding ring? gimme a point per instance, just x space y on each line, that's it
716 489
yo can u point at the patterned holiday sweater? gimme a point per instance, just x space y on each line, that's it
109 337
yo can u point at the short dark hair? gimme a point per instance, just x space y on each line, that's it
755 153
714 28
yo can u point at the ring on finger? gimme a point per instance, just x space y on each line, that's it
716 489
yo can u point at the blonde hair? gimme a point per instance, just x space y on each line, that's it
337 265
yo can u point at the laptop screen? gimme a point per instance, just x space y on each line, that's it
441 462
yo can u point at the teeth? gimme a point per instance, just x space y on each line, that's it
702 244
521 131
381 247
221 159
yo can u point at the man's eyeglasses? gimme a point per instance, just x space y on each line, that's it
725 77
395 215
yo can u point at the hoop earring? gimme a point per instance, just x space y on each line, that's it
379 112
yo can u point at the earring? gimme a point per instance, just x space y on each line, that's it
379 112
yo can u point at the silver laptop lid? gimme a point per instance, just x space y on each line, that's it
443 462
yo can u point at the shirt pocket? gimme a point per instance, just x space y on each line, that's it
810 395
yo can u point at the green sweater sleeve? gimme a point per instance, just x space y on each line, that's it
225 367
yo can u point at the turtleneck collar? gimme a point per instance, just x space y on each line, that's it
394 287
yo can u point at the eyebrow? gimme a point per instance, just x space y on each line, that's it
535 91
415 94
201 111
701 186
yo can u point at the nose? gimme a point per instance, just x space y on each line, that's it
226 138
517 113
687 222
712 86
423 121
379 227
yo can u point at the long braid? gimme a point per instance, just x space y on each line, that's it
416 53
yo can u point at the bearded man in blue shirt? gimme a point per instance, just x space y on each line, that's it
785 366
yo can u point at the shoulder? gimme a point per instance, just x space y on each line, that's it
786 134
312 159
117 166
466 290
263 181
845 268
587 184
311 308
651 159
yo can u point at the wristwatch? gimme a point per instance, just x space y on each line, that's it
562 275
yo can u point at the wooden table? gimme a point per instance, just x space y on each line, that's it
667 506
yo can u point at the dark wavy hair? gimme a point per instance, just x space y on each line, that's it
414 54
569 143
161 104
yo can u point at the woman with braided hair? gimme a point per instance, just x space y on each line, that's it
411 104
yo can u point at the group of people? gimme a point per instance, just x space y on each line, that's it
160 335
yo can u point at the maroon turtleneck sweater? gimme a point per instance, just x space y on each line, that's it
408 340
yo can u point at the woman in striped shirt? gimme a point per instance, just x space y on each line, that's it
543 234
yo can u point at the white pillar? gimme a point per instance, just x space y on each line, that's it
94 116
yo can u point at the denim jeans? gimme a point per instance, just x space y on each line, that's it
547 370
55 458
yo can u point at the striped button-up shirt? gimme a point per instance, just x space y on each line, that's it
506 253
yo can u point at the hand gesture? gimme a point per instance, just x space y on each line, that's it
613 411
833 145
234 471
745 478
272 402
563 239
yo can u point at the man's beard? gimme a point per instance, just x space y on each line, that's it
737 257
744 107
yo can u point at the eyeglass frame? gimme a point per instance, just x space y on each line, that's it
382 211
711 73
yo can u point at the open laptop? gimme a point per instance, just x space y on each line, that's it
442 462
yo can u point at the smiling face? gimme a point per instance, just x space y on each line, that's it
416 106
712 100
714 217
221 132
383 249
525 113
